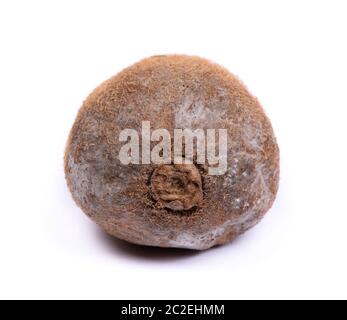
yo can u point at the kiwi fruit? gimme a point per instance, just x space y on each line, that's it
172 205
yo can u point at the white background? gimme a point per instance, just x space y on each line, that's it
291 54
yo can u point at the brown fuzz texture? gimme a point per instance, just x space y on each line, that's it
172 205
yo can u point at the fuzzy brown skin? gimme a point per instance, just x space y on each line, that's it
175 207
